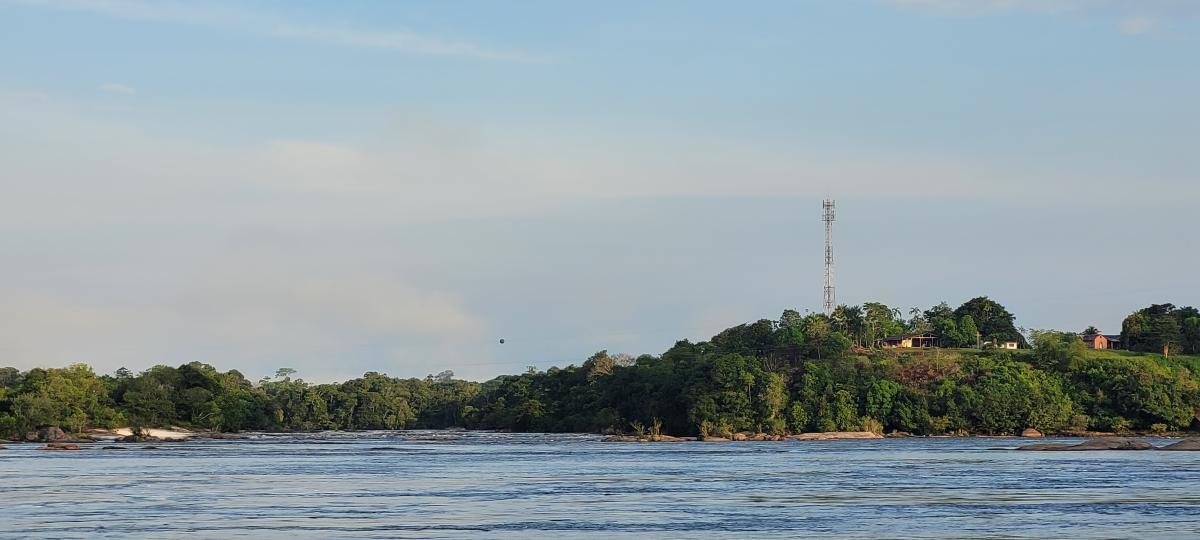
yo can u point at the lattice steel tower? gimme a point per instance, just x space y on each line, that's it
828 216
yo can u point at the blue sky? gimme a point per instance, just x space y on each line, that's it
354 186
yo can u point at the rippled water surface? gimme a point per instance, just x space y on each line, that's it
394 485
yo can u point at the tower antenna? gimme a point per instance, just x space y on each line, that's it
828 217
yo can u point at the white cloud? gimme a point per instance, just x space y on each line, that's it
236 17
1136 25
398 41
252 311
117 88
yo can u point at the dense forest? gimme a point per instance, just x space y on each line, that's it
796 374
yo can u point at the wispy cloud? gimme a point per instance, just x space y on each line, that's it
1137 25
237 18
117 88
1132 16
983 7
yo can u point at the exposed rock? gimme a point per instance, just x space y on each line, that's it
1084 434
1116 443
1192 444
138 438
619 438
431 438
764 437
897 435
836 435
220 435
47 434
1030 432
769 437
742 436
715 439
1 447
52 433
1044 447
645 438
668 438
60 446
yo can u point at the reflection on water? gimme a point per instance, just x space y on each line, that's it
427 485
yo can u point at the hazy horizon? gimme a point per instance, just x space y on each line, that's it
376 186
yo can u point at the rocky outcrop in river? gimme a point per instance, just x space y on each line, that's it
1115 443
646 438
50 433
1192 444
835 435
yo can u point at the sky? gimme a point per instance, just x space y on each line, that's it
396 186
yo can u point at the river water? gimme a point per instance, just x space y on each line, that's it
490 485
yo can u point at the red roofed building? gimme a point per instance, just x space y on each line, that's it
1101 341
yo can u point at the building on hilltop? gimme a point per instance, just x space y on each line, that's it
910 341
1101 341
1010 345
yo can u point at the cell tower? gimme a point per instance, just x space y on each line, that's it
828 216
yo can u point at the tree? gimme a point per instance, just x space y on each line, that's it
1165 333
880 321
880 398
917 323
1191 335
1135 331
992 320
942 322
1059 351
1162 328
849 321
771 401
968 333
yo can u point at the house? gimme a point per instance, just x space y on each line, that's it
1101 341
1095 341
1011 345
909 341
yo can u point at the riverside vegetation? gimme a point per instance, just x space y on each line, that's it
796 374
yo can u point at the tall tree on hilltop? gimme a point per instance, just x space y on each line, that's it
881 321
1162 328
992 320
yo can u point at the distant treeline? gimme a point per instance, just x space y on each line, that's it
795 374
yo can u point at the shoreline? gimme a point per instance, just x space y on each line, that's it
176 434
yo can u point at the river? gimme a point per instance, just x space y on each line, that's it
492 485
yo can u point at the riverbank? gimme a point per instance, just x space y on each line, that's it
118 439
